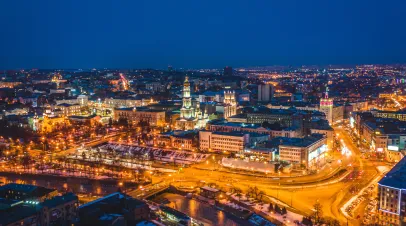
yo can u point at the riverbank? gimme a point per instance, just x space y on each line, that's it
27 175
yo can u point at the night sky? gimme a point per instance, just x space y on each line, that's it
199 33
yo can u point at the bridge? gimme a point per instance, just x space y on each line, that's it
149 190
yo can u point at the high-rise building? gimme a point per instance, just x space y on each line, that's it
228 71
230 103
265 92
326 106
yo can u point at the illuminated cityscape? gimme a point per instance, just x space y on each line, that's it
179 114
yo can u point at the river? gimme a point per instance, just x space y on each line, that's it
76 185
201 211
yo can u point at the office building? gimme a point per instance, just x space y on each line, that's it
392 196
136 115
223 141
308 152
265 92
116 207
228 71
326 106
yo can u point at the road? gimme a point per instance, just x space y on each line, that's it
366 170
301 197
299 192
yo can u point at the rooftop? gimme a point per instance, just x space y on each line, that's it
396 177
67 105
16 213
234 134
58 200
295 142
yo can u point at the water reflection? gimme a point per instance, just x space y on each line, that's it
63 184
201 211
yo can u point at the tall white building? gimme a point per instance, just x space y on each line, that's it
190 118
265 92
326 106
230 104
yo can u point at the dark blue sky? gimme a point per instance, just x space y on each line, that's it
199 33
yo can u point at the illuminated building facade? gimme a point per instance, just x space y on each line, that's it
190 118
133 115
308 152
392 196
223 141
326 106
230 107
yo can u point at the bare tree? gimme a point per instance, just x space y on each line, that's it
317 212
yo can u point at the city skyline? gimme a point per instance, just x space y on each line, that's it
201 113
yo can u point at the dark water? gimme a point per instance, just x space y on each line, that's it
201 211
79 186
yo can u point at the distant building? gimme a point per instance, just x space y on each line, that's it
134 115
230 103
265 92
182 140
122 102
326 106
251 128
223 141
322 127
239 118
228 71
155 87
401 115
385 95
68 110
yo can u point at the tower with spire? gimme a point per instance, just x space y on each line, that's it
190 118
326 106
187 111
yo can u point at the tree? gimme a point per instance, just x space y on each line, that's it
284 211
26 160
238 193
238 196
307 221
122 122
270 207
250 192
330 221
278 209
260 195
317 212
255 191
83 155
